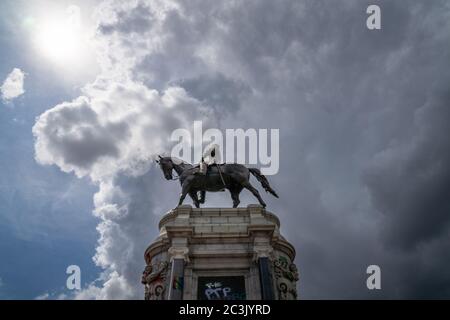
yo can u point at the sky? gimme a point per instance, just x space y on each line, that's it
92 90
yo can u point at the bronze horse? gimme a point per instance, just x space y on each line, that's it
232 176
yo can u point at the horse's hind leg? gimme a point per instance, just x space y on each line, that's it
235 196
194 197
247 185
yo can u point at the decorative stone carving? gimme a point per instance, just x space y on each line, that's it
263 252
179 253
286 277
154 280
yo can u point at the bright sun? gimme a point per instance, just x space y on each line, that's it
61 38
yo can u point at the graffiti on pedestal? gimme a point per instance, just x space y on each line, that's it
221 288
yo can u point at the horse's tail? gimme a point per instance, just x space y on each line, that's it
263 180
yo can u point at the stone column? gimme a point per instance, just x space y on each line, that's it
179 255
263 254
178 252
265 277
262 233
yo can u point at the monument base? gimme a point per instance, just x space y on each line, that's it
220 254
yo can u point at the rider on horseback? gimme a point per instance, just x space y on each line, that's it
212 159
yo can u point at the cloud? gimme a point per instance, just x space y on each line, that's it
43 296
111 127
222 94
111 135
55 296
409 182
12 87
362 117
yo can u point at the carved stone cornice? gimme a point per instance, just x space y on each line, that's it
179 231
279 243
160 245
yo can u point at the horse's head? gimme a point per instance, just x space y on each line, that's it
166 165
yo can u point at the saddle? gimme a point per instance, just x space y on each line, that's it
209 171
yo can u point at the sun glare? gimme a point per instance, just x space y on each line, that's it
61 38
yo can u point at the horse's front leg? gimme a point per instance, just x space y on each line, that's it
184 191
194 197
202 196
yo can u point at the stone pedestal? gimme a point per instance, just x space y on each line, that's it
220 253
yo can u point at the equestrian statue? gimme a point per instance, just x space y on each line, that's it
213 178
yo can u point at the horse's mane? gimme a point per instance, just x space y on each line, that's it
178 160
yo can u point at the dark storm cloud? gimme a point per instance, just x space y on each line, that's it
342 97
138 19
409 177
361 109
217 91
410 183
